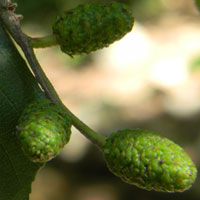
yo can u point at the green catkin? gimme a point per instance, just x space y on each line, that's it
149 161
92 26
43 130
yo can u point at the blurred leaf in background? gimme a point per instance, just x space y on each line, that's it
44 11
194 64
39 11
197 4
144 9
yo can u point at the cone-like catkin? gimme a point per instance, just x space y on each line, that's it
43 130
92 26
149 161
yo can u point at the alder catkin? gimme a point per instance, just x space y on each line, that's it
43 130
149 161
92 26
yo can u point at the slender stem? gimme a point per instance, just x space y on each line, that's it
42 42
12 23
92 135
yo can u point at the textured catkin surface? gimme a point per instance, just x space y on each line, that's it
149 161
92 26
43 130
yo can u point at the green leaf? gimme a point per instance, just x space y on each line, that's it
18 88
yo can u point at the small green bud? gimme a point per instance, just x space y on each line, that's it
43 130
92 26
149 161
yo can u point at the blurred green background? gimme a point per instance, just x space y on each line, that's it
150 79
47 10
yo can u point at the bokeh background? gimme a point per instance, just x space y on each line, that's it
150 79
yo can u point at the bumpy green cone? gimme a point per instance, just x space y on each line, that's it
43 130
149 161
92 26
